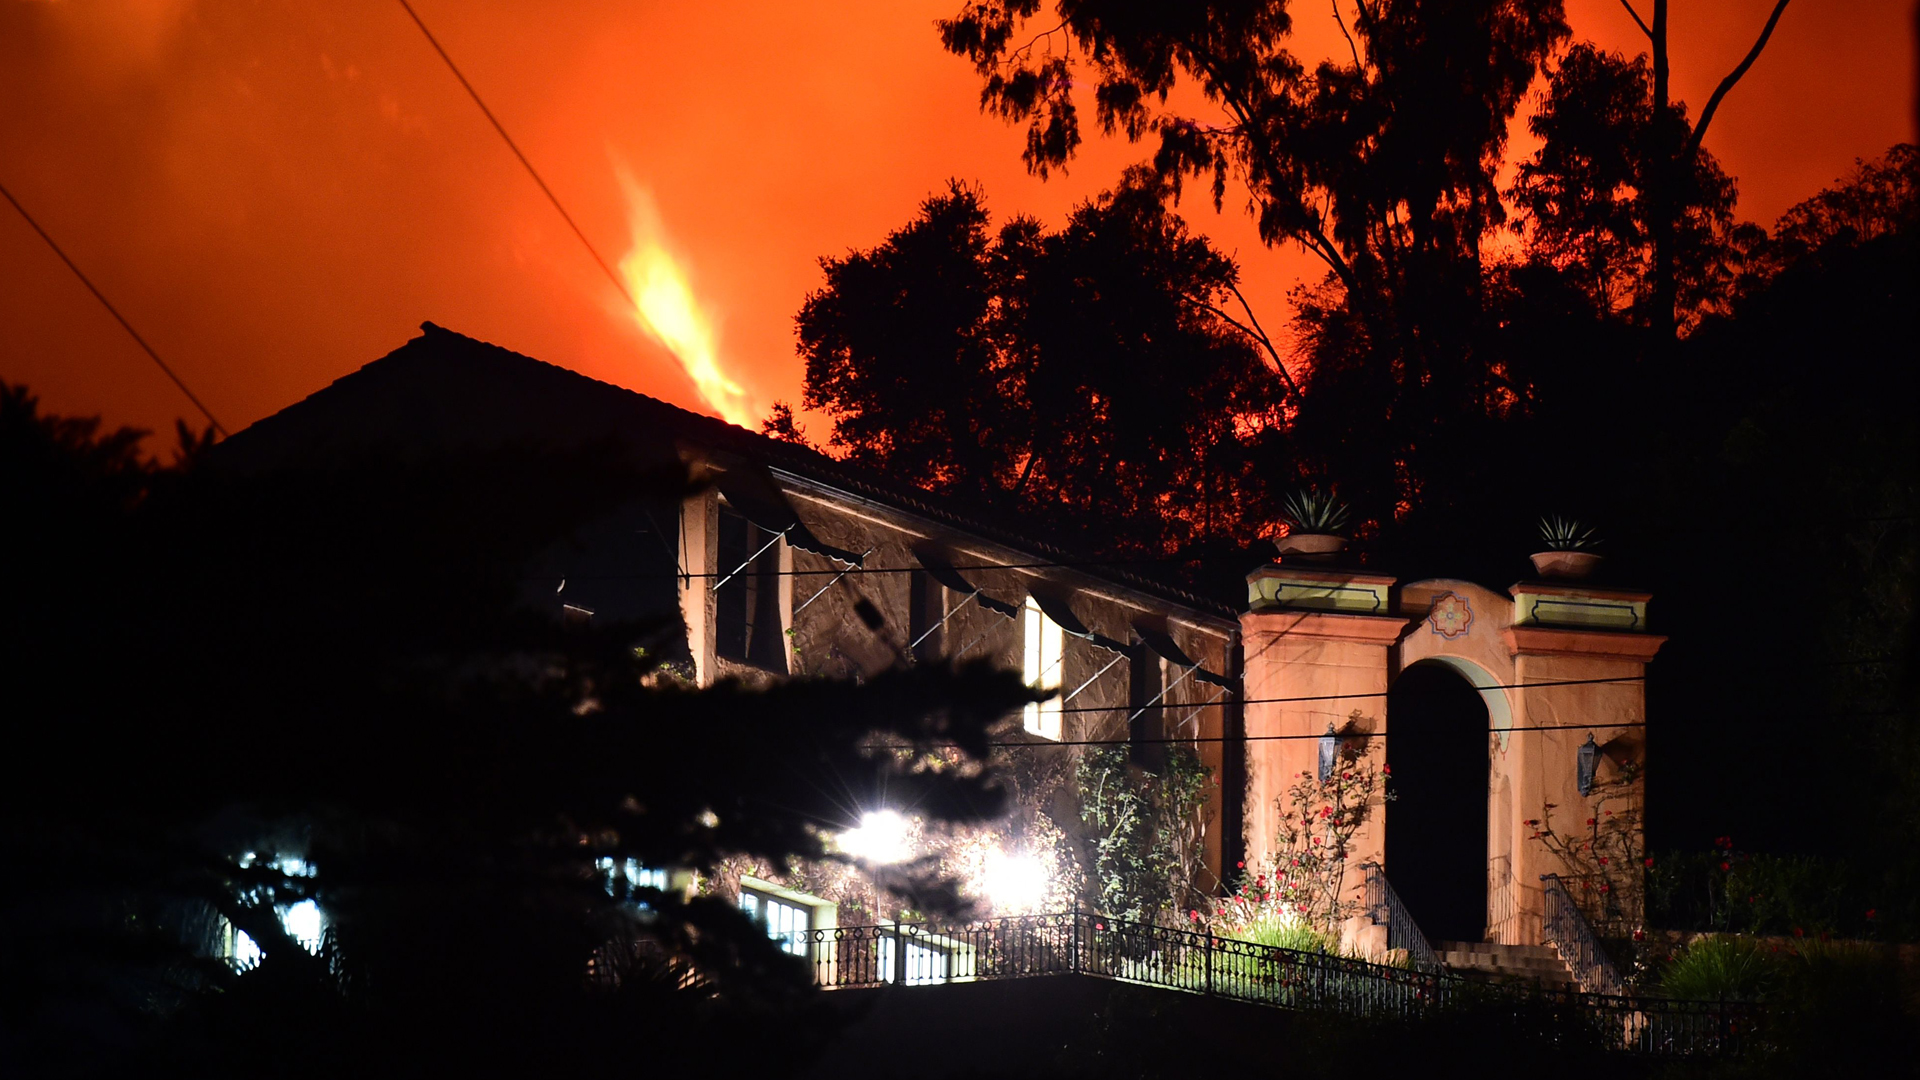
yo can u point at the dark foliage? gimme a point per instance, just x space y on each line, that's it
1091 377
342 666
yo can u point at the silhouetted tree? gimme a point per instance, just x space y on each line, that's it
1096 376
1673 154
1384 167
1591 193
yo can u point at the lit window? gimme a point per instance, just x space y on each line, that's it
625 876
303 921
1045 651
925 963
787 923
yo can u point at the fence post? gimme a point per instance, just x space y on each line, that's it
1207 944
1073 951
899 954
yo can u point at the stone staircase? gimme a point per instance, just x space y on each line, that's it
1506 963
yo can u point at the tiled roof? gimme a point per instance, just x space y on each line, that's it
444 390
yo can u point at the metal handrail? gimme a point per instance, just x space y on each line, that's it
1198 962
1384 905
1566 928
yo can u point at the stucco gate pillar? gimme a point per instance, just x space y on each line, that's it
1580 657
1316 644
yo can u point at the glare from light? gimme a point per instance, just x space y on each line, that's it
1016 883
883 837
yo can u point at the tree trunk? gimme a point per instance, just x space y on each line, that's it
1665 170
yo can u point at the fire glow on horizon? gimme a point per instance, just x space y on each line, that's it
670 313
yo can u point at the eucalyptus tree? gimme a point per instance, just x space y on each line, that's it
1105 377
1381 162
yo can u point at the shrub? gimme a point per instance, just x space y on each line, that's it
1722 966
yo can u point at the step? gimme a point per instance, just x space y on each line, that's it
1490 960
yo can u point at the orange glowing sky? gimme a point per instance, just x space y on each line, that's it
278 192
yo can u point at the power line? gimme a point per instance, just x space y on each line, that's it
1174 740
515 147
115 312
1349 697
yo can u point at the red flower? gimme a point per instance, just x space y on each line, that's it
1870 912
1386 770
1649 860
1603 860
1639 935
1242 864
1533 821
1589 821
1797 932
1726 866
1195 915
1606 888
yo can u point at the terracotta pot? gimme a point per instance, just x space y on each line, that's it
1310 544
1566 565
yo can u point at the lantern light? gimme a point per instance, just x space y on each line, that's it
1589 762
1329 752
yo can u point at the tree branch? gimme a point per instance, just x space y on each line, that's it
1351 47
1637 21
1256 333
1726 84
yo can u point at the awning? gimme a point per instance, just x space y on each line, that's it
936 564
751 492
1063 616
1162 644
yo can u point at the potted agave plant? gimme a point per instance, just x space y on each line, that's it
1570 553
1314 522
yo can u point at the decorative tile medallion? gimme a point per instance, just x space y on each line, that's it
1450 616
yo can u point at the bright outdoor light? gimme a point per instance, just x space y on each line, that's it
883 837
1015 882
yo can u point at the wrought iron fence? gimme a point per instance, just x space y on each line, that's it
1197 962
1383 905
1567 929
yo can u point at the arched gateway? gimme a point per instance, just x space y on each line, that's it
1490 697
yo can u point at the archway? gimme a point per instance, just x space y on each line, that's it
1436 842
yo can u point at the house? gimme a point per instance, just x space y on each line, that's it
790 563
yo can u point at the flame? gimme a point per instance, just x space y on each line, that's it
670 313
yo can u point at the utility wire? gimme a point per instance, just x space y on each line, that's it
1350 697
515 147
115 312
1343 736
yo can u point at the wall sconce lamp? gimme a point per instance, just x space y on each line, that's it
1329 752
1589 761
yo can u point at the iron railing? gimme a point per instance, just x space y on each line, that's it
1200 963
1383 905
1567 930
